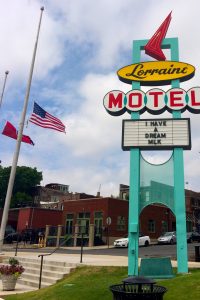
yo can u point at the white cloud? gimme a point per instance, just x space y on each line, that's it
81 46
18 28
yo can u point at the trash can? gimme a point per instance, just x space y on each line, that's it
137 287
197 253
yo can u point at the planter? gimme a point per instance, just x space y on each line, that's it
9 274
8 282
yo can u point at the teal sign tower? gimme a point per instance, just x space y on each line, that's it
177 204
156 183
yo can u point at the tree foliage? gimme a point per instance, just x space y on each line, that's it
26 179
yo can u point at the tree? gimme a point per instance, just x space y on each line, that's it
25 180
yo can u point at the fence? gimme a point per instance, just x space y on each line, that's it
56 235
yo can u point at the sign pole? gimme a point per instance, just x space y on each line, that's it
134 191
179 189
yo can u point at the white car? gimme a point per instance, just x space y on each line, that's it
144 240
167 238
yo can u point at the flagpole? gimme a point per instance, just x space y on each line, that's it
4 85
18 143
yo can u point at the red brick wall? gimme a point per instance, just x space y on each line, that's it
118 208
12 217
23 219
38 218
158 214
113 208
110 207
89 205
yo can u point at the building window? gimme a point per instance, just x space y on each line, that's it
195 202
147 196
121 224
69 224
98 223
164 226
98 214
151 226
54 199
125 195
83 221
84 215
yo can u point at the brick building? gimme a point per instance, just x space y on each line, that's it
83 213
96 211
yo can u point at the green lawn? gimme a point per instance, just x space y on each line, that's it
92 283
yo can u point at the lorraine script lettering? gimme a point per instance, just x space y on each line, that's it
140 72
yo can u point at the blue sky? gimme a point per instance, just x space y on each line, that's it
82 44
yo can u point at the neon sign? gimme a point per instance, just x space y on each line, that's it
155 101
156 72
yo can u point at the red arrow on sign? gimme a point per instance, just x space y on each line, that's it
153 47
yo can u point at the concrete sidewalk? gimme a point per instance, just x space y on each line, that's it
88 259
18 290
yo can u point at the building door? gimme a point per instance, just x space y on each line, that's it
98 223
69 224
165 227
83 222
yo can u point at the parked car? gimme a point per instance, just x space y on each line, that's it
144 240
9 229
167 238
13 237
193 237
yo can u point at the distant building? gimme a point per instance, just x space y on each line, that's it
51 195
124 191
58 187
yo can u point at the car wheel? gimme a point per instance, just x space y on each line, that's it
146 244
189 241
171 241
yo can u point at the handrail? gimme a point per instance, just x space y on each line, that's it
48 254
20 237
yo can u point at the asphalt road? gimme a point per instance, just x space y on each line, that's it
151 251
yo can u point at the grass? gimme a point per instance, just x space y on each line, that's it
92 283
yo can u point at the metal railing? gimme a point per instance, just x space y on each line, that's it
48 254
17 242
21 237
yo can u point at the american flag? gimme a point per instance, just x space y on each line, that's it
42 118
